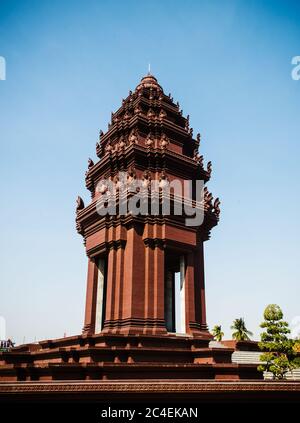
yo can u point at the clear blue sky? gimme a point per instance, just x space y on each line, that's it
69 63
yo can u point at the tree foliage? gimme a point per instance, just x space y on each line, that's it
279 355
217 333
241 333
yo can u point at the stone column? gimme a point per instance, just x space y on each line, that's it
190 293
149 287
110 289
200 309
169 301
119 282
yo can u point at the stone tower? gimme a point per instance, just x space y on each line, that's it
146 271
145 302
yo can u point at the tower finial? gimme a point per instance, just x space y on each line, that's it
149 68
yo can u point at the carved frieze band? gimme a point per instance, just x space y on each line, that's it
162 387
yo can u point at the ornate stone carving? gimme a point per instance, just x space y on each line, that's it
102 188
98 149
164 141
208 198
131 179
79 204
151 114
209 168
90 163
149 140
146 180
137 110
127 115
133 137
163 180
162 114
121 144
109 148
187 122
198 158
216 207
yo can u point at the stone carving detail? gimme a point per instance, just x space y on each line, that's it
121 144
90 164
208 198
150 387
162 114
198 158
98 150
216 207
79 204
146 180
209 168
187 122
164 141
137 110
102 188
133 137
131 179
108 148
119 184
127 115
163 180
149 140
150 114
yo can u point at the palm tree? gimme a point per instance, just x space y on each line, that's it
217 333
241 333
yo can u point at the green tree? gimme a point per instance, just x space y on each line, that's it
279 355
241 333
297 346
217 333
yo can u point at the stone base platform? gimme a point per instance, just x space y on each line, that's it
119 357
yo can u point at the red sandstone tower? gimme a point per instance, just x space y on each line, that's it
146 273
145 303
